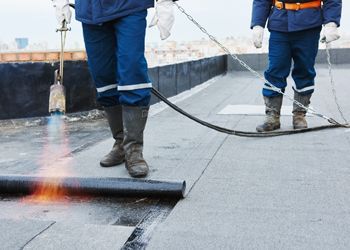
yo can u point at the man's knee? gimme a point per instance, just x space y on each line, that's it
108 101
133 68
139 97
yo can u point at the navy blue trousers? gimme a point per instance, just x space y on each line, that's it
116 58
298 47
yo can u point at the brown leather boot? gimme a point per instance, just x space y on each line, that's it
299 113
273 111
116 156
134 121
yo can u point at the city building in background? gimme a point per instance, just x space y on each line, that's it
157 54
22 43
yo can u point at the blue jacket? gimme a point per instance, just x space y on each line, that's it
290 20
100 11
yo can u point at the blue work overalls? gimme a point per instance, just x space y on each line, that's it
114 35
294 37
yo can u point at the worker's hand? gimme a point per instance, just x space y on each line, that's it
164 17
63 12
258 36
330 32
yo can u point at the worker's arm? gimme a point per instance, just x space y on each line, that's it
63 12
332 11
260 13
164 17
331 19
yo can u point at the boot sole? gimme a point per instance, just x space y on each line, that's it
138 175
296 128
109 165
268 130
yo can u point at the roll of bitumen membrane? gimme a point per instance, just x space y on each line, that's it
80 186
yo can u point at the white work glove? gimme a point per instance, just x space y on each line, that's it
164 17
330 32
63 12
258 36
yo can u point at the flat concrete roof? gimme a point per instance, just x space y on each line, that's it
250 193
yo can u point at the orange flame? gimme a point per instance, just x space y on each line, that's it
48 192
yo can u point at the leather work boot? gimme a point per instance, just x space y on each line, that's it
116 156
273 110
134 121
299 113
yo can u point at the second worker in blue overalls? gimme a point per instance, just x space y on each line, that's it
295 27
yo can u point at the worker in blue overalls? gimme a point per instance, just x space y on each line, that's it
295 27
114 35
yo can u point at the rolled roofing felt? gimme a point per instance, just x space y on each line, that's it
116 187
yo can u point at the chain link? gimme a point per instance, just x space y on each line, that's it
330 72
246 66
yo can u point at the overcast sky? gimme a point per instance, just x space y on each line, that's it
35 19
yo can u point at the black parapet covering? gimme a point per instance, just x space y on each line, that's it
195 73
25 87
80 88
183 78
212 67
221 65
340 56
205 70
167 80
83 186
154 77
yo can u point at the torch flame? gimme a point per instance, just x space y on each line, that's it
48 192
54 162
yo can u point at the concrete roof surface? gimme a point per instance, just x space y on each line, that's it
289 192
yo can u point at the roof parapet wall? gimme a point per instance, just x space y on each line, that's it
25 86
41 56
259 62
